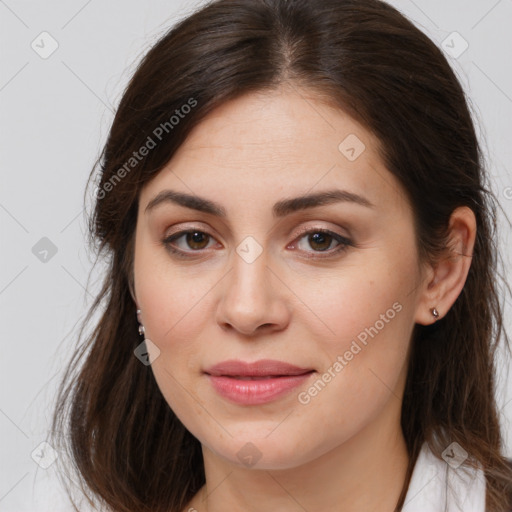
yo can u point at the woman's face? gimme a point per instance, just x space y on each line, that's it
263 281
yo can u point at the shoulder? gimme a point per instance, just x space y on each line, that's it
438 484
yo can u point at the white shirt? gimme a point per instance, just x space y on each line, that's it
436 486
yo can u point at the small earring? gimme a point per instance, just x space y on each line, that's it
434 312
141 327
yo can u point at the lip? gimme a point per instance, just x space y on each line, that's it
261 368
256 383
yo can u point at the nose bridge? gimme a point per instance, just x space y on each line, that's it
250 295
249 284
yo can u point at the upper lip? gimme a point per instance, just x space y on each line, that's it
261 368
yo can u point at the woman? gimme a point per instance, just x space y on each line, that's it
301 308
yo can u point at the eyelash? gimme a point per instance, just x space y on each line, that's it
344 243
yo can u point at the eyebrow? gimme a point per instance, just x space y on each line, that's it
280 209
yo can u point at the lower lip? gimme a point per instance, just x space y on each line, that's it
258 391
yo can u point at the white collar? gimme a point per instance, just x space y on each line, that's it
436 486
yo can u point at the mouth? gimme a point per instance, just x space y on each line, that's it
256 383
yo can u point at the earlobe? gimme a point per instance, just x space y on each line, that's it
450 274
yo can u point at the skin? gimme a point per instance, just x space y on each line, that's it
344 448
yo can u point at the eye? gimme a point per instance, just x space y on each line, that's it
321 240
193 238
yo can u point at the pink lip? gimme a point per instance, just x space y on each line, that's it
270 380
261 368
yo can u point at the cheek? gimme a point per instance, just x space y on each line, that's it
172 297
364 352
360 304
366 323
174 317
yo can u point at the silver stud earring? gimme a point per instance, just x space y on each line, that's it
434 312
141 327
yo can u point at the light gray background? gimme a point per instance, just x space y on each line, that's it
55 115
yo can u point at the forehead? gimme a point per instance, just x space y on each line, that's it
280 143
285 123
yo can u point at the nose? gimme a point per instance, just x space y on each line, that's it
253 299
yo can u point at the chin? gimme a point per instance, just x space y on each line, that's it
262 453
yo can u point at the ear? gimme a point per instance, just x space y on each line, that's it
445 281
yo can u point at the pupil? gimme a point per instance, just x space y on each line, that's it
192 239
318 238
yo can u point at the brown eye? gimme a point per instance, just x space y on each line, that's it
192 242
196 239
320 241
185 242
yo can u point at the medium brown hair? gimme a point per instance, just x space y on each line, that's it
127 446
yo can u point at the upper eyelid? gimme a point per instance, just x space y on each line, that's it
300 232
